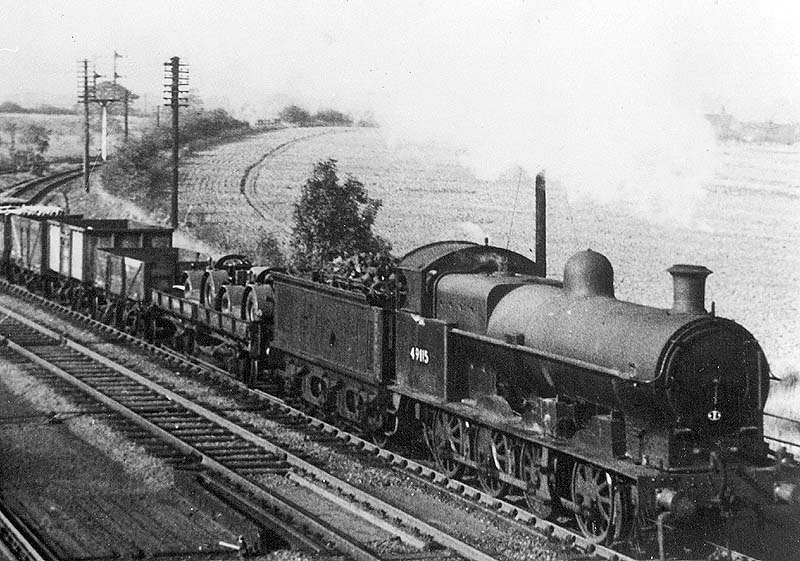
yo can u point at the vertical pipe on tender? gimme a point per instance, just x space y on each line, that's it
541 225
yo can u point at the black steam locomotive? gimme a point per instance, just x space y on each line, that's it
629 418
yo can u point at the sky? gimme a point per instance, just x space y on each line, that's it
355 54
611 90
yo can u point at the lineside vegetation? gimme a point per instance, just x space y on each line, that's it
333 219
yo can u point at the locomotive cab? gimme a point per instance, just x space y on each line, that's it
423 267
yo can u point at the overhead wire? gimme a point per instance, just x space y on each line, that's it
514 209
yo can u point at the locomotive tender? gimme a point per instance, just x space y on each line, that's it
628 417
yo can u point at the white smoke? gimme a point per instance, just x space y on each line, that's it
589 93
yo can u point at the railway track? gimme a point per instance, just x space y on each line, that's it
34 190
234 456
509 512
17 541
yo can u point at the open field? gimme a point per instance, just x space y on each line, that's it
212 184
66 138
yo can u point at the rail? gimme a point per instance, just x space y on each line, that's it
34 190
16 540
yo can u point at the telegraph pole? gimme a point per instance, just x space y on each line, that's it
83 97
176 76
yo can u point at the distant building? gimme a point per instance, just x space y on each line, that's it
727 127
268 123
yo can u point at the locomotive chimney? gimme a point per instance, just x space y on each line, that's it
541 225
689 288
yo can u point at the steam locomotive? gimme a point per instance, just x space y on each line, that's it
628 418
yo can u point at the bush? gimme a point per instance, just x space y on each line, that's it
11 107
333 117
197 127
333 219
295 115
140 170
268 250
35 137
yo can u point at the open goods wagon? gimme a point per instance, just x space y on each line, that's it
124 278
23 235
72 242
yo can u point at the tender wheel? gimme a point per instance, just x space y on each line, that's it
494 455
539 493
450 439
603 508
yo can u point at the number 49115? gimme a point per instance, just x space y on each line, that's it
420 355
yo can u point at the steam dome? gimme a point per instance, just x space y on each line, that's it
588 273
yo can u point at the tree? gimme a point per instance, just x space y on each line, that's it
295 114
333 117
110 90
11 107
10 127
333 218
36 137
203 125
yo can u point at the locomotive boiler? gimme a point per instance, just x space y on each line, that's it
623 415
